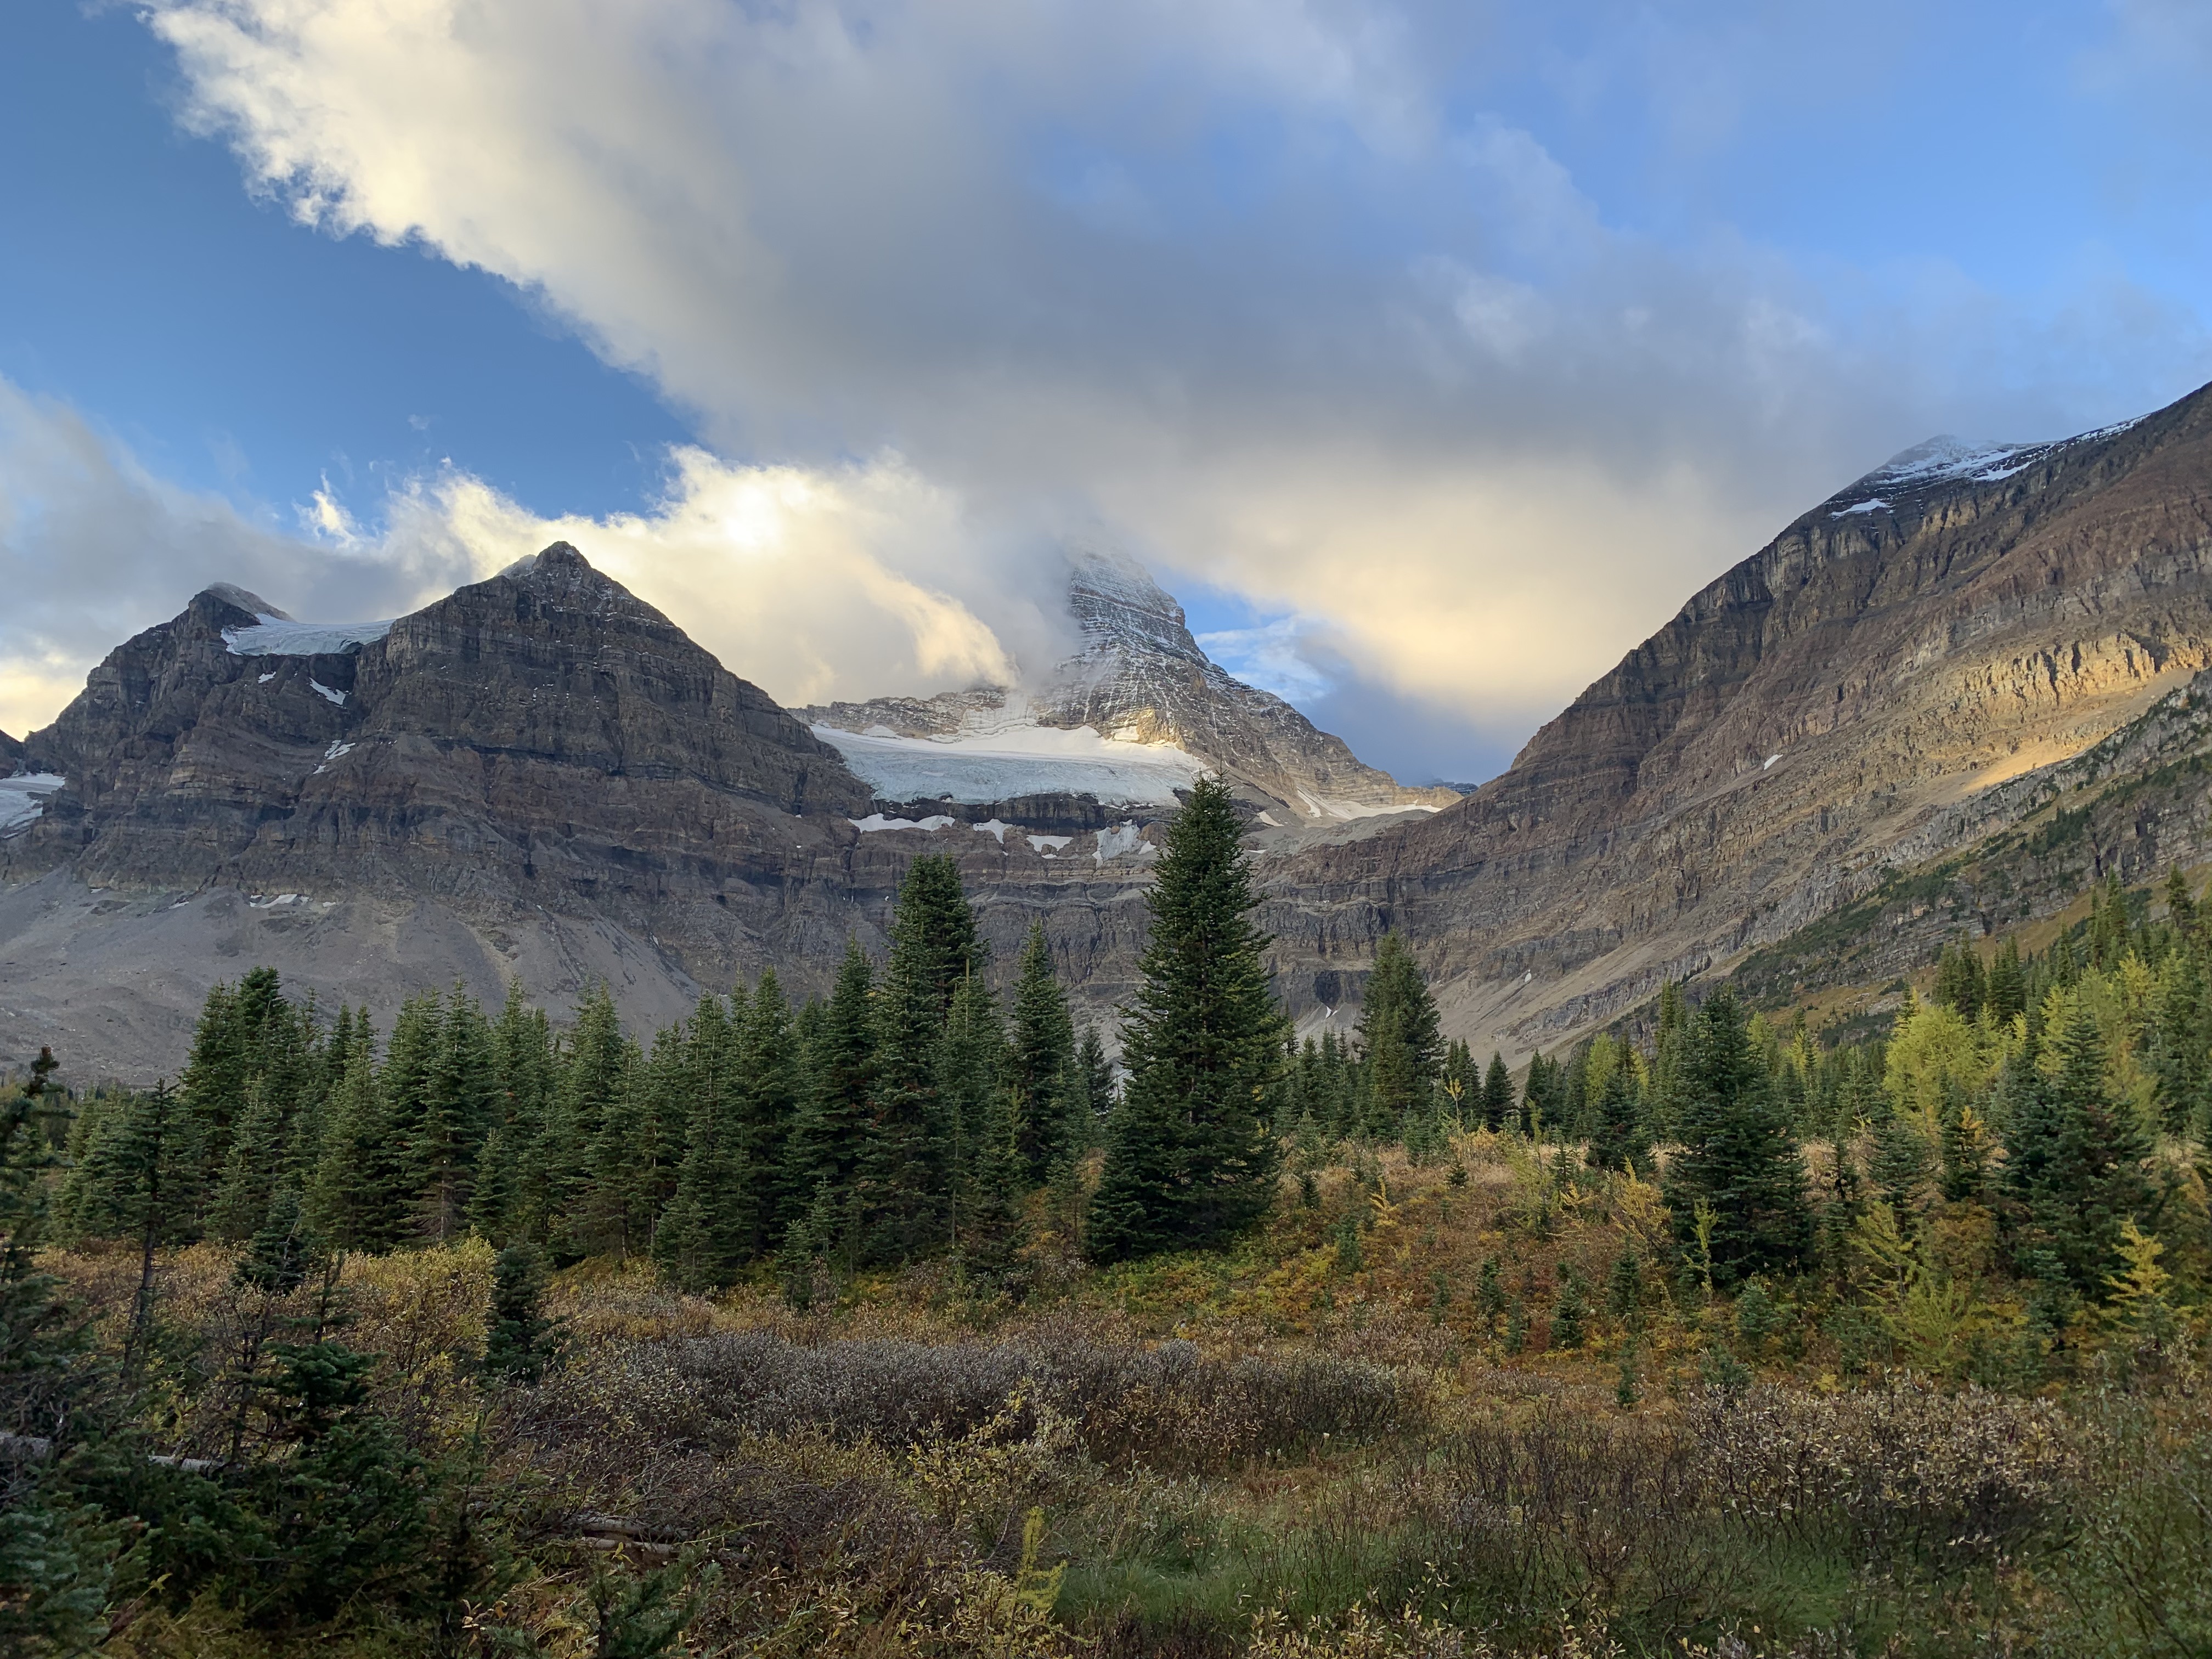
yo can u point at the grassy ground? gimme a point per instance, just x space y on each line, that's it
1321 1442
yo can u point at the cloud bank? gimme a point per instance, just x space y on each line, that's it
1264 289
764 565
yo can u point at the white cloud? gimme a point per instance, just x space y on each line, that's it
814 584
1233 278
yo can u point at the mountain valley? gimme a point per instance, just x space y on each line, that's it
540 775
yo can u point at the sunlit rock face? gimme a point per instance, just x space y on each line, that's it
1864 692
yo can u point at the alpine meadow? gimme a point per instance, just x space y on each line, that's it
1004 830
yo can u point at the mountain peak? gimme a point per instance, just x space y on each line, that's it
561 559
238 598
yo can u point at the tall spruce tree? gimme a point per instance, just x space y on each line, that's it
830 1133
1738 1158
254 1170
2075 1162
1496 1093
594 1078
1619 1138
773 1057
150 1191
358 1197
975 1088
906 1174
510 1200
1041 1067
1399 1038
705 1233
52 1576
1097 1072
1189 1160
613 1212
459 1099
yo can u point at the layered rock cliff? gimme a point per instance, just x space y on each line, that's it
539 775
1836 706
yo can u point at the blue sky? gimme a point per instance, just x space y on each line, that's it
1432 354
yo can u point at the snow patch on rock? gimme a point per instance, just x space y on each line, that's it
1123 840
875 821
1008 759
273 634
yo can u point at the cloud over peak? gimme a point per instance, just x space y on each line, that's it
1277 293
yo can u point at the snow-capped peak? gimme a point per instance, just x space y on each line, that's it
1947 460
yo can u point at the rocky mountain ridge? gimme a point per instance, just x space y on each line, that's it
542 776
1841 705
538 775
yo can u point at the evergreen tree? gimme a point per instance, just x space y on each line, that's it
258 1145
1669 1060
409 1074
906 1174
1187 1160
1399 1037
2105 936
214 1075
358 1197
774 1081
577 1152
613 1213
830 1133
706 1232
511 1197
1098 1091
2179 1046
1737 1158
1619 1138
1496 1093
520 1340
1899 1165
148 1189
1571 1309
52 1580
1958 980
460 1100
1041 1071
977 1091
2005 987
2074 1162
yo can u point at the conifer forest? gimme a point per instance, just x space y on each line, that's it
922 1319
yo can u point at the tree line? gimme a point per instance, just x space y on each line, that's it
912 1112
